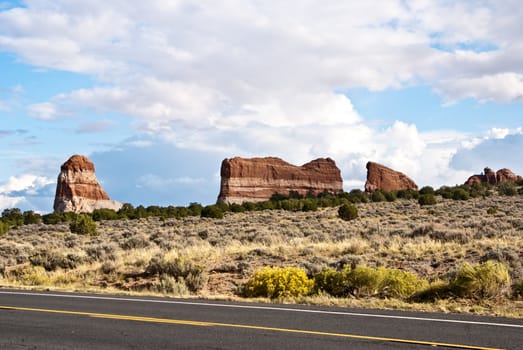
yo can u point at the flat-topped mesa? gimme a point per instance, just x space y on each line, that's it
78 190
491 177
380 177
258 179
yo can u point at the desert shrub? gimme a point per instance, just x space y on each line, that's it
237 208
28 275
193 275
30 217
104 214
426 190
348 212
427 199
390 196
195 208
507 189
135 242
492 210
84 225
309 204
332 282
355 196
366 281
171 285
378 196
401 284
518 289
436 290
212 211
266 205
460 194
288 204
51 260
4 227
407 194
486 280
278 282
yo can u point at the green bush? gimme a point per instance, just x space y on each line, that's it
492 210
104 214
378 196
83 224
348 212
4 227
407 194
507 189
426 190
427 199
212 211
390 196
278 282
30 217
310 204
486 280
13 217
460 194
518 289
366 281
333 282
401 284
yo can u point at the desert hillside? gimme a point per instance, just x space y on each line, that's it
217 256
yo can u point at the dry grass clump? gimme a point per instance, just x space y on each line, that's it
217 256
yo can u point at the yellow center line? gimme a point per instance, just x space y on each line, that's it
231 325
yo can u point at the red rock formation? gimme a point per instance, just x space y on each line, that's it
380 177
78 190
491 177
257 179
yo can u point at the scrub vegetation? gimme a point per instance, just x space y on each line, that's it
462 253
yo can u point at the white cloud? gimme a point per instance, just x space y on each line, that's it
43 111
10 202
27 182
258 78
502 87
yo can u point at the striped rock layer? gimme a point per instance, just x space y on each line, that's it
257 179
78 190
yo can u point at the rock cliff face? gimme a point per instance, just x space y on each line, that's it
78 189
491 177
380 177
257 179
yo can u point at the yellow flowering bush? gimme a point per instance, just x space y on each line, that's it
276 282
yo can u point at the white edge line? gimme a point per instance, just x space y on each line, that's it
266 308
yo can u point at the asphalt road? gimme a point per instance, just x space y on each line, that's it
48 320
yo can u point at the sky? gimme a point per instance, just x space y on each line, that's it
158 93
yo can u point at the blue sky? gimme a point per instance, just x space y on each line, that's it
157 94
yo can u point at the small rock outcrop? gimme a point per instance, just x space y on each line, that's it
78 190
380 177
493 178
257 179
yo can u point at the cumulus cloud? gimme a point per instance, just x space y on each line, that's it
43 111
252 78
27 191
494 152
26 182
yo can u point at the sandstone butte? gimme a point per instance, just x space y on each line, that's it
257 179
491 177
78 190
380 177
